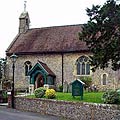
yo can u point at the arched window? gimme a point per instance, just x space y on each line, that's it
104 79
28 66
83 67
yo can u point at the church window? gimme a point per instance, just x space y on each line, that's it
104 79
83 67
28 66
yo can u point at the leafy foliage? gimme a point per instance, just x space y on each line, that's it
4 94
102 35
111 97
40 92
86 80
60 88
50 93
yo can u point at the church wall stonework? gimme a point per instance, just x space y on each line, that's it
112 80
54 62
70 67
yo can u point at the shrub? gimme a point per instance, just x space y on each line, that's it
86 80
40 92
50 93
118 91
110 97
60 88
4 94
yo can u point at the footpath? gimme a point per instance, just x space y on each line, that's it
13 114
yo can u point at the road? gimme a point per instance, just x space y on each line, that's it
13 114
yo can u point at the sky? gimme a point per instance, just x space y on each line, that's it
43 13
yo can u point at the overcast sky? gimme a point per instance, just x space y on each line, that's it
43 13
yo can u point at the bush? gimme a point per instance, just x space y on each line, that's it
110 97
4 94
40 92
60 88
86 80
118 91
50 93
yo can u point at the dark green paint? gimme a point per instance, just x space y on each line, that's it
77 89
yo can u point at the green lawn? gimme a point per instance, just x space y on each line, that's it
94 97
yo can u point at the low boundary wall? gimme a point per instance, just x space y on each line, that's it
71 110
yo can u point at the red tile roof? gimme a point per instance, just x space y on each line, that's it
49 71
48 40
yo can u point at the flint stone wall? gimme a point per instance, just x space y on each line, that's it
70 110
54 62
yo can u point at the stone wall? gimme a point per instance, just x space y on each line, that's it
54 62
112 81
71 110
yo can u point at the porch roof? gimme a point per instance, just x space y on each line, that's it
42 66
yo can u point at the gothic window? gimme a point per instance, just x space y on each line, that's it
28 66
83 67
104 79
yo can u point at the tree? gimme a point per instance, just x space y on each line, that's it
102 35
0 71
2 66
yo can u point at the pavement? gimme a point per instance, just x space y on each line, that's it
13 114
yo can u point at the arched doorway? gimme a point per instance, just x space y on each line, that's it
39 82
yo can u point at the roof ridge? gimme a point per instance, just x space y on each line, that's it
57 26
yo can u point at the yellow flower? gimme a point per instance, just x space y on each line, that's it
50 93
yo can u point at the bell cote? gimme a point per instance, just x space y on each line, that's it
24 22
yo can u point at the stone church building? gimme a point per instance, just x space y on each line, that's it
53 56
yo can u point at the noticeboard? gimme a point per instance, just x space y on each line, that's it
77 88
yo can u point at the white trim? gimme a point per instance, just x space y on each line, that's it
43 67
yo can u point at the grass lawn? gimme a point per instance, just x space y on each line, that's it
94 97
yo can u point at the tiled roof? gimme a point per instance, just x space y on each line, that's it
49 71
47 40
44 66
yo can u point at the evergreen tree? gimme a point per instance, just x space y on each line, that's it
2 67
102 35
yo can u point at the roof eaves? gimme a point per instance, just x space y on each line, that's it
48 52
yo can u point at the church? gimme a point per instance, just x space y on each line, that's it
53 56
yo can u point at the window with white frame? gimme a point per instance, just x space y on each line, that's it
83 67
28 66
